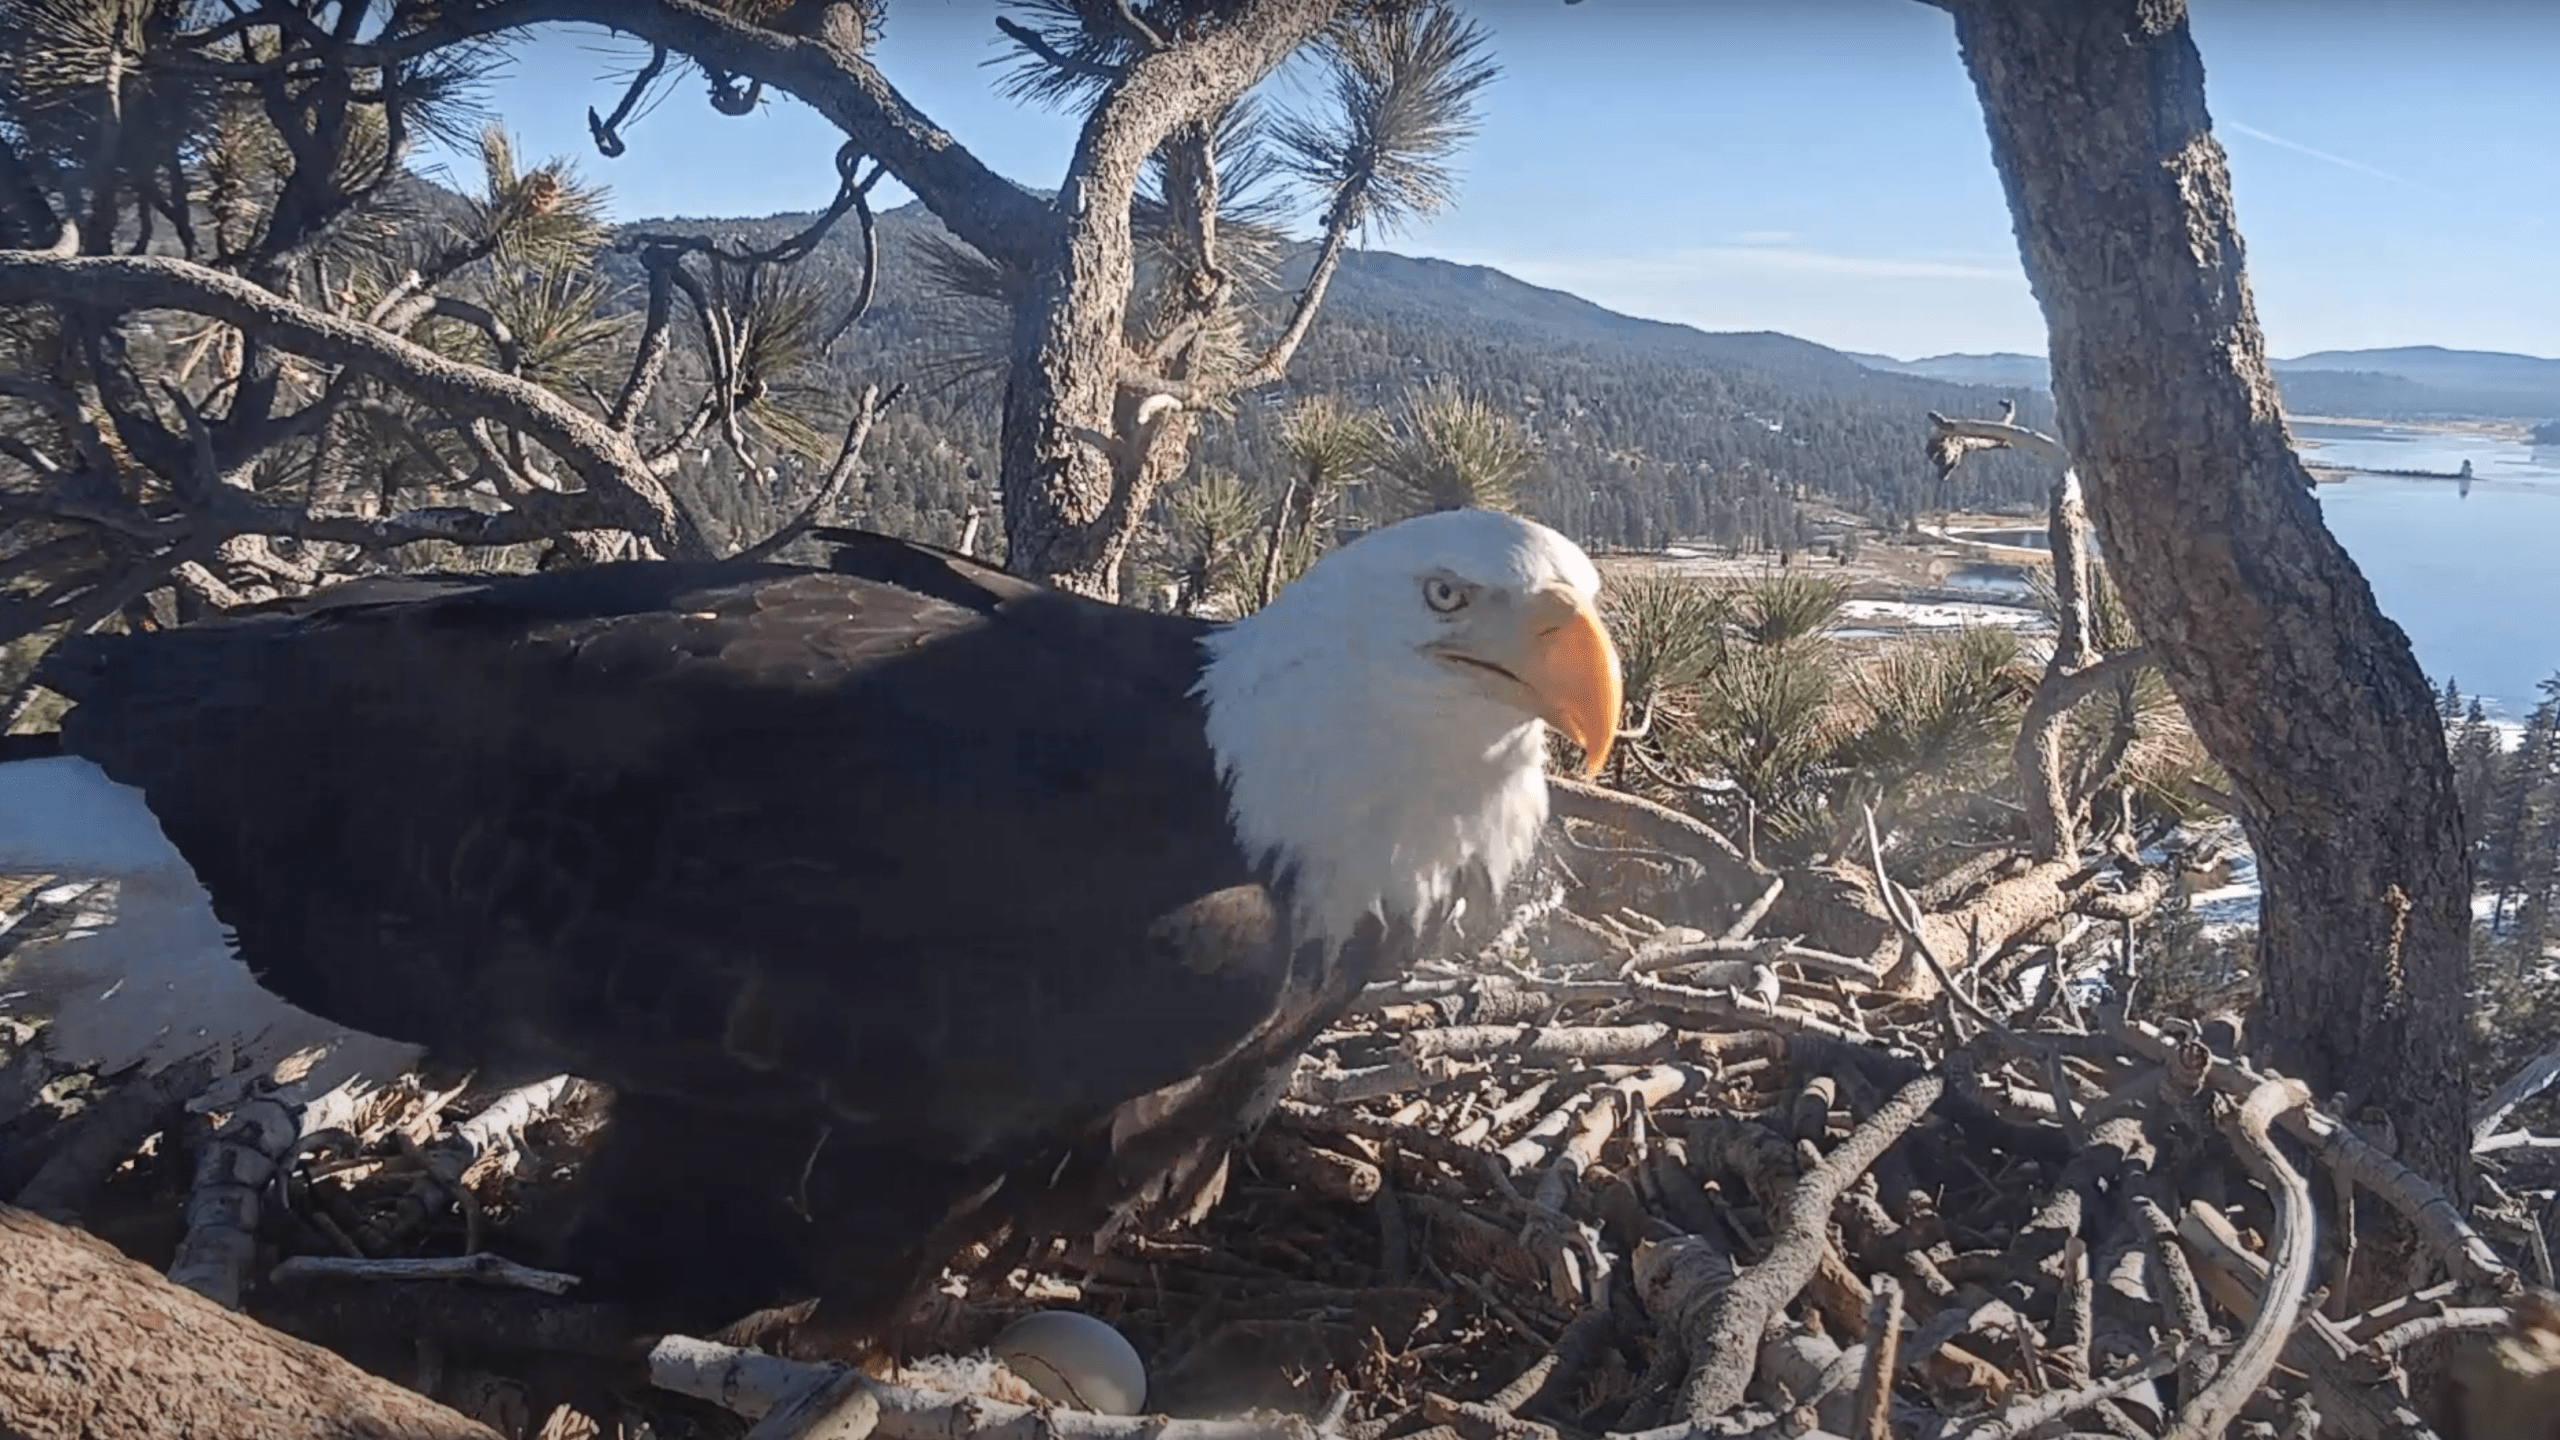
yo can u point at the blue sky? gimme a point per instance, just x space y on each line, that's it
1811 166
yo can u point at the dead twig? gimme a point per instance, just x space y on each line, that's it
1744 1309
2289 1275
480 1268
2027 1415
1875 1373
223 1203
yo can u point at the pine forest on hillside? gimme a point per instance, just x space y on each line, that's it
1641 433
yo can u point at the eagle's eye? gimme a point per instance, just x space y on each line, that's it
1443 595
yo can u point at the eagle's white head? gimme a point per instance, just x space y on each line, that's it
1381 725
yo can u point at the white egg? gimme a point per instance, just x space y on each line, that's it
1076 1360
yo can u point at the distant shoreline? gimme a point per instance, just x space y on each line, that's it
2330 473
2496 429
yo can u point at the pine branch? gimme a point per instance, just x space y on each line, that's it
623 490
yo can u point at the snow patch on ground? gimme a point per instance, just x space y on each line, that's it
2226 889
1888 616
2233 905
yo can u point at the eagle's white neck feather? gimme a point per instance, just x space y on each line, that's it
1370 778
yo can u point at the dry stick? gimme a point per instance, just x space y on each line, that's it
2075 1321
1598 1123
1485 1242
2210 1413
504 1119
1909 926
223 1201
2457 1320
1534 1147
2464 1251
2532 1080
1317 1085
2354 1397
1750 1012
839 476
1656 825
1545 1044
1737 1317
483 1267
2516 1140
1475 999
2183 1300
1749 920
1718 964
1477 1419
2027 1415
834 1406
1428 1144
1329 1173
1562 1363
1576 1266
2399 1311
1875 1377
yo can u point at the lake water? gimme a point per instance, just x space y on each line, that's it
2474 579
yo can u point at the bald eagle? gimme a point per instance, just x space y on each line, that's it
898 901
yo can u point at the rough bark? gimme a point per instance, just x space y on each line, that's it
1067 499
94 1346
2309 698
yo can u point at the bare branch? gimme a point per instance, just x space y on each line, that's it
2460 1246
2000 433
2531 1080
866 412
2030 1414
2288 1276
623 492
999 217
607 129
482 319
1739 1313
1274 364
649 359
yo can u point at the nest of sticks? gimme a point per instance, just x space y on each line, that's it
1607 1177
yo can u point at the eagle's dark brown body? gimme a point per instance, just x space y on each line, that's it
862 887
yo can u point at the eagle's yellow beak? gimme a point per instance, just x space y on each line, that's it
1569 663
1546 653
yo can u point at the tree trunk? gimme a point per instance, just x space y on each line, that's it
94 1346
1070 504
2308 697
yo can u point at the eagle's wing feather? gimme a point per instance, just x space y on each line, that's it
947 856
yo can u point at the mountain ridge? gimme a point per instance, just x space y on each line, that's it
1643 430
2384 382
2392 382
